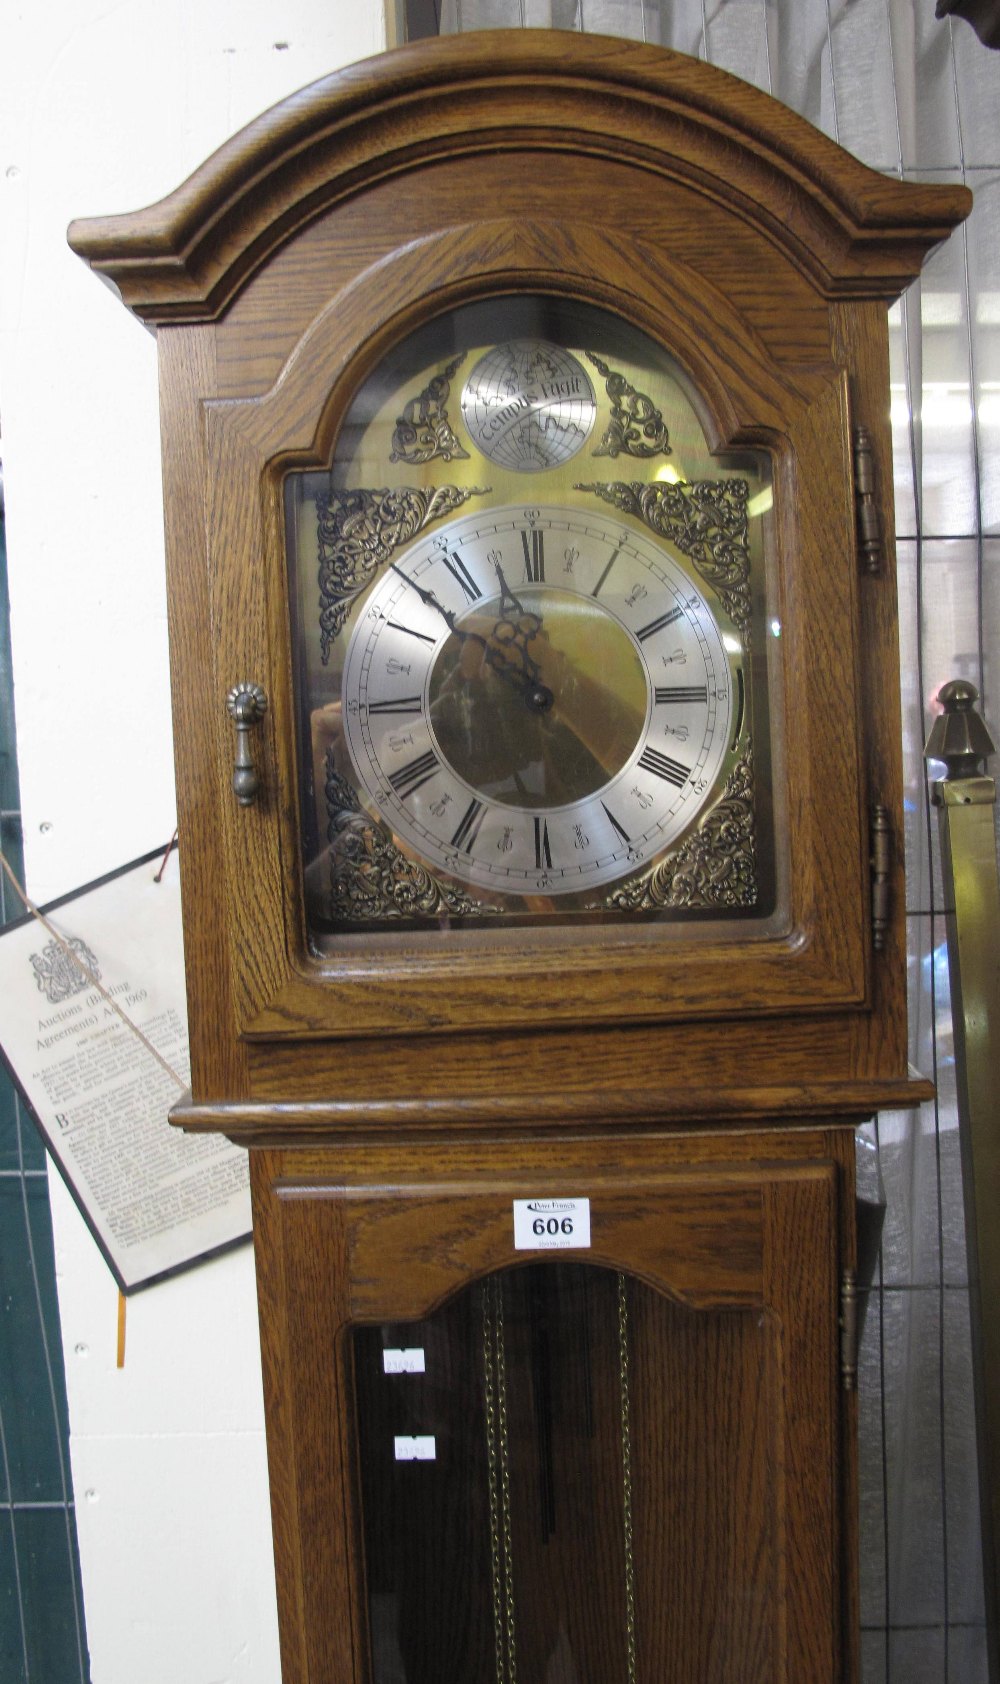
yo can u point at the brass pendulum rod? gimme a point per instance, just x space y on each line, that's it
965 800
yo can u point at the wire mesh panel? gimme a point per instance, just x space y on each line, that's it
919 98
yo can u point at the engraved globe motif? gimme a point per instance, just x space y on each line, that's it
528 405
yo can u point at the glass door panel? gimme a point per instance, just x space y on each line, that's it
529 609
567 1478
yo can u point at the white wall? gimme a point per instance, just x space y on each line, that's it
105 108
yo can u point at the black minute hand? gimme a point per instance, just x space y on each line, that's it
428 597
524 677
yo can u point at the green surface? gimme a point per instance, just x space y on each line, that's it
42 1635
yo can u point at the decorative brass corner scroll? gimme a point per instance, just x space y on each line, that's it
637 427
715 868
372 879
359 530
707 521
423 431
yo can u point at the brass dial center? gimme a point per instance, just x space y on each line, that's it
548 723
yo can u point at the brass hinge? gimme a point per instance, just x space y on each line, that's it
881 858
849 1330
869 519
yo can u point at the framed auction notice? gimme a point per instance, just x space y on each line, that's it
93 1029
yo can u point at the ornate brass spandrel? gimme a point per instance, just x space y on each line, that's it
423 431
636 427
371 879
358 530
715 868
707 520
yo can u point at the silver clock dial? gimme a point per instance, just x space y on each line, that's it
537 701
528 405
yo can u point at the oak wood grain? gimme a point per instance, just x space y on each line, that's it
522 1112
699 1086
817 954
736 1416
187 368
275 308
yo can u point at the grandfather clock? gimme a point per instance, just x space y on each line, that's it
529 532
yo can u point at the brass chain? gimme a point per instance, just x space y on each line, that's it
498 1464
508 1548
489 1400
626 1430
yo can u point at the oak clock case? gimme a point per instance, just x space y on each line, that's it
526 444
530 613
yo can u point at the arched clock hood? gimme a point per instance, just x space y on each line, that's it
853 232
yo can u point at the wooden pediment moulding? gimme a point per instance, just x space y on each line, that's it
853 232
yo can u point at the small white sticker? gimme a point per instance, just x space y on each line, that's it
409 1360
548 1224
421 1449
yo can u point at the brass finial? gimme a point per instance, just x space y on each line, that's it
959 735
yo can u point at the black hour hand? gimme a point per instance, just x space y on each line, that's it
508 600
